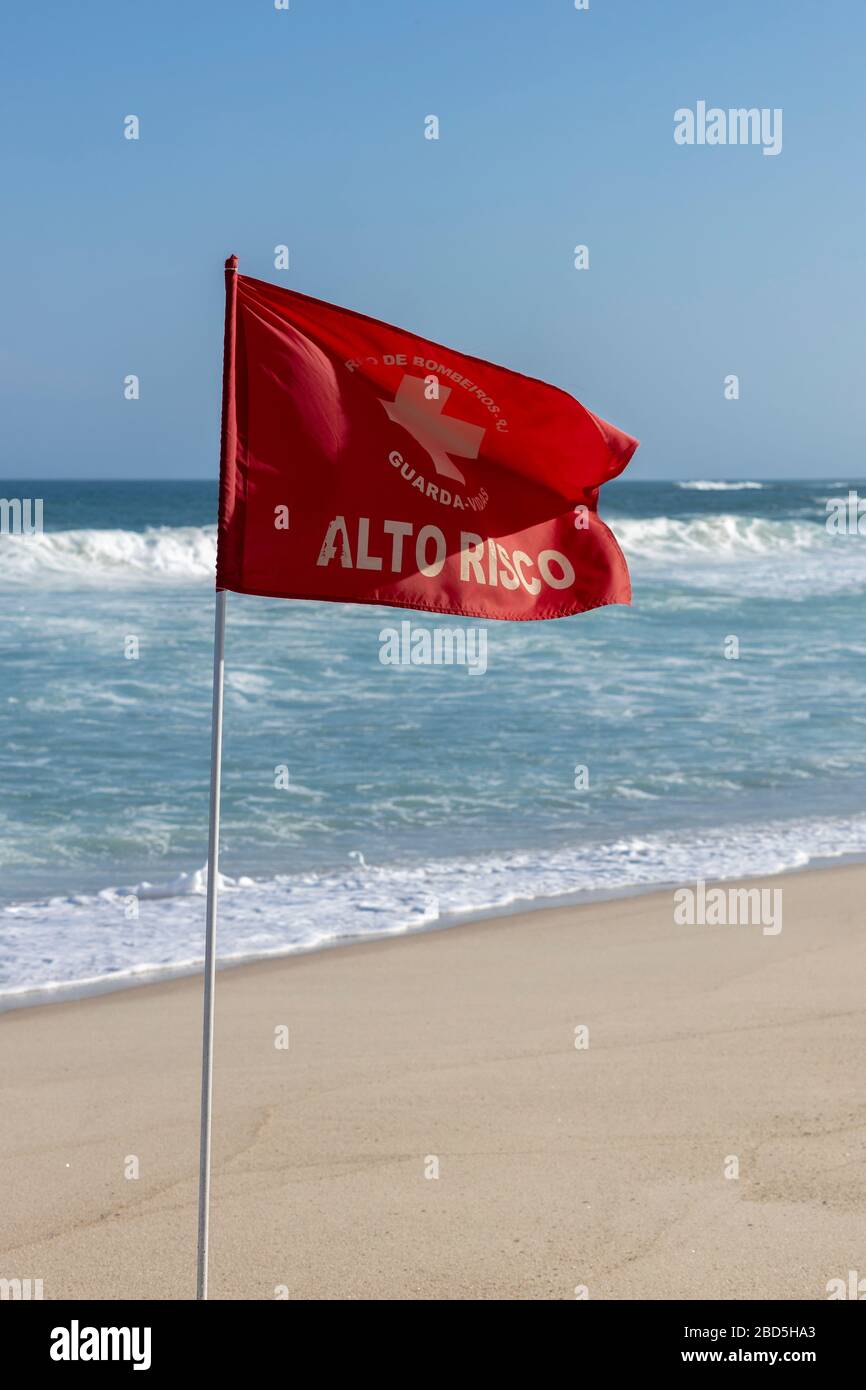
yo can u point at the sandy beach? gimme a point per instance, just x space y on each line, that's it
558 1166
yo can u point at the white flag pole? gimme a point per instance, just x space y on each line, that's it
210 942
228 442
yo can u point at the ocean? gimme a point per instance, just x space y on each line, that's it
362 799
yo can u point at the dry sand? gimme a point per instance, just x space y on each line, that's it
558 1167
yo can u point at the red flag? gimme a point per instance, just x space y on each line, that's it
364 464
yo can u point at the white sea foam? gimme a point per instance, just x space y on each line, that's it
742 555
745 555
711 486
717 536
185 553
174 553
89 942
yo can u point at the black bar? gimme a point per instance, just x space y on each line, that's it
214 1337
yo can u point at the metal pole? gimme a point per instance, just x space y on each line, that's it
210 942
228 447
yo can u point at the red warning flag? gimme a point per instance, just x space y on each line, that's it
364 464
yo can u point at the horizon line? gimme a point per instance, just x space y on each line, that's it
621 478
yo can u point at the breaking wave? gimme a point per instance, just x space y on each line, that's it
661 537
698 551
710 486
742 556
174 553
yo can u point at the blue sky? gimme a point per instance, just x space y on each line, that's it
306 127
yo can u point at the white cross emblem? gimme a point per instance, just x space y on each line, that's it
440 435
